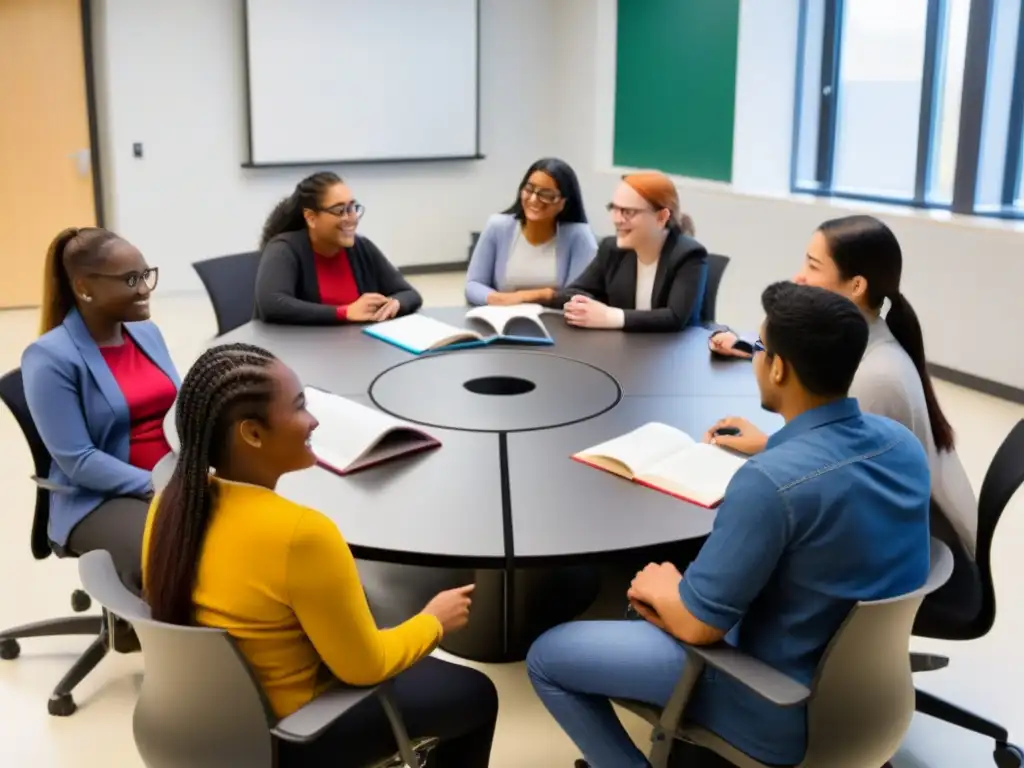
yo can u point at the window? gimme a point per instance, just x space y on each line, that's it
999 187
878 96
880 102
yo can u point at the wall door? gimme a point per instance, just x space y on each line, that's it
46 179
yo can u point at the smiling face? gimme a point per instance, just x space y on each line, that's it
333 226
636 221
118 285
280 442
821 271
541 198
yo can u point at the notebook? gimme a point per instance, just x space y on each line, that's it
418 333
352 436
668 460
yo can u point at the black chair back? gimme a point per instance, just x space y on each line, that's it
230 282
12 393
473 238
716 268
1005 475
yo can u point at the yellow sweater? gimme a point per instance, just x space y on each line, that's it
280 579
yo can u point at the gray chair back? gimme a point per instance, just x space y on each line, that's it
230 282
716 269
199 705
862 697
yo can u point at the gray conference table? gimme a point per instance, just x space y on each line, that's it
501 502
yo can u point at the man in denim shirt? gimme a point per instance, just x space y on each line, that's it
835 510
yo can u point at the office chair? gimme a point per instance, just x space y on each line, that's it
716 268
230 282
200 705
859 704
473 238
940 621
61 703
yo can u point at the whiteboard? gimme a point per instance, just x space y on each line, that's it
362 80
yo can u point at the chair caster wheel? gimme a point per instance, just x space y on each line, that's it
61 706
9 649
80 601
1008 756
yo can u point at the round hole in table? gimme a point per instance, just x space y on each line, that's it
498 390
499 386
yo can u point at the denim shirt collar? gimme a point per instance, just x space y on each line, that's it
837 410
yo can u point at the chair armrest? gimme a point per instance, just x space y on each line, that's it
314 718
927 662
52 487
765 681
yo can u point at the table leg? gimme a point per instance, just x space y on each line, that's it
510 609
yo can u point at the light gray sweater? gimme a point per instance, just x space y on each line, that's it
888 384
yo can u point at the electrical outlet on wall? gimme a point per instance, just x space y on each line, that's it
137 149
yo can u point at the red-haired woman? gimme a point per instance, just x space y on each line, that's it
651 275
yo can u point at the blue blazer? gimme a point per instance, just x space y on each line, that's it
575 247
83 418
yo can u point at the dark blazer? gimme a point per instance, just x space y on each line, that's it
286 286
83 418
679 284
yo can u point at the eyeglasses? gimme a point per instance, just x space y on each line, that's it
759 346
544 194
626 213
345 209
131 279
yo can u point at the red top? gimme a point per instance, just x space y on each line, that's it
149 394
336 282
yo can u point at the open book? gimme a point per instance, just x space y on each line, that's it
352 436
418 333
668 460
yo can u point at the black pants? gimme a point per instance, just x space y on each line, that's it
957 603
117 526
455 704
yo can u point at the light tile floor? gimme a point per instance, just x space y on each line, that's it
984 675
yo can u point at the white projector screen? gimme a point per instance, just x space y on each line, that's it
362 80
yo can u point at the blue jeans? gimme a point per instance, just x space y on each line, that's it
575 668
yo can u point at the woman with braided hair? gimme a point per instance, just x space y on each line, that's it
315 269
99 381
223 549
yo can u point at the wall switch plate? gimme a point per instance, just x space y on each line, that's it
137 149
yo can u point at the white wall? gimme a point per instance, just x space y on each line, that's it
171 75
963 275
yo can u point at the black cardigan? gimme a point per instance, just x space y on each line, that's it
286 284
679 283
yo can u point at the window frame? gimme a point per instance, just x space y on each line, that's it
972 104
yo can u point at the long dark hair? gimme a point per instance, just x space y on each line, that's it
568 187
863 245
287 214
226 384
70 250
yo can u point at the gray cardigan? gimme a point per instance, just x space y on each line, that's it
575 247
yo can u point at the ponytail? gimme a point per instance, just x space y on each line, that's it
226 384
58 298
683 224
288 215
71 249
905 327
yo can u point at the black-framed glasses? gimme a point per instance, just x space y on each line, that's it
626 213
346 209
759 346
148 276
544 194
